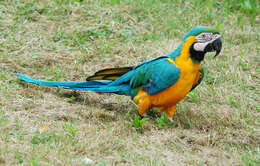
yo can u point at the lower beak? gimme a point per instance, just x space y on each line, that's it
216 45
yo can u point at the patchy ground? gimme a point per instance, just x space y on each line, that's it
217 124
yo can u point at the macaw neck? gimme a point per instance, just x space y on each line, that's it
186 52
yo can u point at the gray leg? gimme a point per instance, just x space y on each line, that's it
171 120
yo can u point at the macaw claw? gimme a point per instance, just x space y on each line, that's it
142 116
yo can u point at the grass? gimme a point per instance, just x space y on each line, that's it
163 122
138 123
217 124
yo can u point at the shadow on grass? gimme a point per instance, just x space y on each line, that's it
187 119
78 97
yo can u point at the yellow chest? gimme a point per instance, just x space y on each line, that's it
189 72
175 93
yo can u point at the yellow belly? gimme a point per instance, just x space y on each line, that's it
174 94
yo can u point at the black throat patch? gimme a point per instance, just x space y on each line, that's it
196 56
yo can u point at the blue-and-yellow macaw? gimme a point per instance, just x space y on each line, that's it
160 82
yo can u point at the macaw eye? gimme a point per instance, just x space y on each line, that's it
204 37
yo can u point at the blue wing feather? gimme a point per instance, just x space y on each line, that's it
155 76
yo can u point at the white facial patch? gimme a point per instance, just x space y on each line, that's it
203 39
200 46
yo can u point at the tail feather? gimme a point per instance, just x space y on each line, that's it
96 86
64 84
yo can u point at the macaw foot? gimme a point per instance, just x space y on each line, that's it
170 113
142 116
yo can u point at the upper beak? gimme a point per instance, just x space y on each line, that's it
216 45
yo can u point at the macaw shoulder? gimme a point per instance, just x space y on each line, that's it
166 71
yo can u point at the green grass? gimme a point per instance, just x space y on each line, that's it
216 124
138 123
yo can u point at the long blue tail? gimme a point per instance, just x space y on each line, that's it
96 86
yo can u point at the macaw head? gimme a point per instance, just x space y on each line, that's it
206 40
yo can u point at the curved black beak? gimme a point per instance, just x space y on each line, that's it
216 45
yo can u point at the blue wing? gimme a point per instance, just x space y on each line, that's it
155 76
